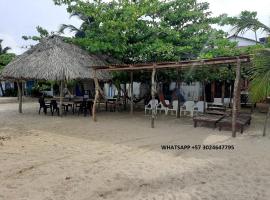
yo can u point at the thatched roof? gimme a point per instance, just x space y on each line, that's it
53 57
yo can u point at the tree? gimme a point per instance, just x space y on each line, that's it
42 34
147 31
246 21
5 58
142 31
260 83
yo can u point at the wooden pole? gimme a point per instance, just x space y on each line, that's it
239 98
230 94
20 95
153 92
131 93
222 92
61 99
204 97
236 95
96 98
178 96
213 87
265 122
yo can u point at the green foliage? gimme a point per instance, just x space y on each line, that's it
144 30
151 31
5 57
42 34
11 92
3 50
260 84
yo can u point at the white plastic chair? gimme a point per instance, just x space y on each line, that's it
188 107
174 107
161 107
152 104
199 107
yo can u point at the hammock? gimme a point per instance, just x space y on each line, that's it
162 100
135 100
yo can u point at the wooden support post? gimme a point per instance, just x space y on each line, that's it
19 83
266 119
131 93
178 96
213 88
222 92
61 98
96 98
239 92
231 91
204 97
236 96
153 92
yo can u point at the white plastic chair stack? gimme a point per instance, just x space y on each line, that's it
199 107
188 107
161 107
152 104
174 108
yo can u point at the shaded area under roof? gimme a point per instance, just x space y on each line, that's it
55 59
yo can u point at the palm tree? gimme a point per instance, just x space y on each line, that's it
248 21
260 83
87 22
2 52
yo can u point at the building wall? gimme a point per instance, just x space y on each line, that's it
192 91
242 42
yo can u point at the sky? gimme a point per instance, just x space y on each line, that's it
20 17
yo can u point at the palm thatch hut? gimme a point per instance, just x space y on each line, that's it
57 60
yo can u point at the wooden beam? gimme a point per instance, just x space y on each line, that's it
236 96
131 93
19 83
181 64
153 92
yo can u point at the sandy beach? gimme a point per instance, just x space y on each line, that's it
120 157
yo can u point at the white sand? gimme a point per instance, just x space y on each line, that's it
119 157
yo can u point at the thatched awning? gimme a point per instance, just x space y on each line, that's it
54 59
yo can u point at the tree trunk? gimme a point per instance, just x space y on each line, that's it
236 97
131 93
265 122
256 38
153 88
